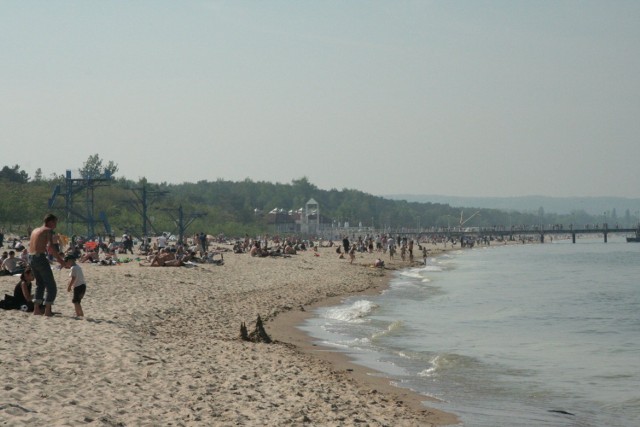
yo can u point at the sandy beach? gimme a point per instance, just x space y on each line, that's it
160 346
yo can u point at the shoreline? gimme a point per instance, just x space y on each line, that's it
162 344
285 328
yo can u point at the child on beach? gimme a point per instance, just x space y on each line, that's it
76 282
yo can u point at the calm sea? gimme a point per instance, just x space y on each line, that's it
525 335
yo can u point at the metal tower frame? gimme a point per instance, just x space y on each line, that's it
86 186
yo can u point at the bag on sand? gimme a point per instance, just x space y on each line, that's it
9 303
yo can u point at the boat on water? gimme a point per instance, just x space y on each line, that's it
636 238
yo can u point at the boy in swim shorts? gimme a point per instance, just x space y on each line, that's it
77 283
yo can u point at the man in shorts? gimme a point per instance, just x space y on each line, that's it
42 240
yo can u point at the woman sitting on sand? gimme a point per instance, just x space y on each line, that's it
90 256
255 250
22 296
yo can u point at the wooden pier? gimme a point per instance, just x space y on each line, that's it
538 232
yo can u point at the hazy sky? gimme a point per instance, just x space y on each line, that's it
485 98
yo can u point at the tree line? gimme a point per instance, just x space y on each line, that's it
236 208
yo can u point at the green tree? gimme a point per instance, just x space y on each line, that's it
93 168
14 174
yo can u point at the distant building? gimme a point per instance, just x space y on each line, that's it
306 220
310 219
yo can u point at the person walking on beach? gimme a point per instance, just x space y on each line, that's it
411 250
345 244
162 241
42 239
76 282
127 243
203 242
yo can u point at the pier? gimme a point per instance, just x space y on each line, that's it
539 232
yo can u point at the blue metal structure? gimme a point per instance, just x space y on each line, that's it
84 215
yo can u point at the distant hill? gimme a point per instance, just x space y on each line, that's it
531 204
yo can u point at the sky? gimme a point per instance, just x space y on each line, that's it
460 98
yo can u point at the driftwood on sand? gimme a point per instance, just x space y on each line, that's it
258 334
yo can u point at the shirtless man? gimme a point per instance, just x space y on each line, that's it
42 237
163 258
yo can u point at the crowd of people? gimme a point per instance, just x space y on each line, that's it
383 243
46 247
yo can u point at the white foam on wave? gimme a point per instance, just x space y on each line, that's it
427 372
413 273
394 326
420 272
412 284
431 370
353 313
447 362
350 343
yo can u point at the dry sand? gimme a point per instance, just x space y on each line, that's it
159 346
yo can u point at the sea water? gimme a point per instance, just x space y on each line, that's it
519 335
